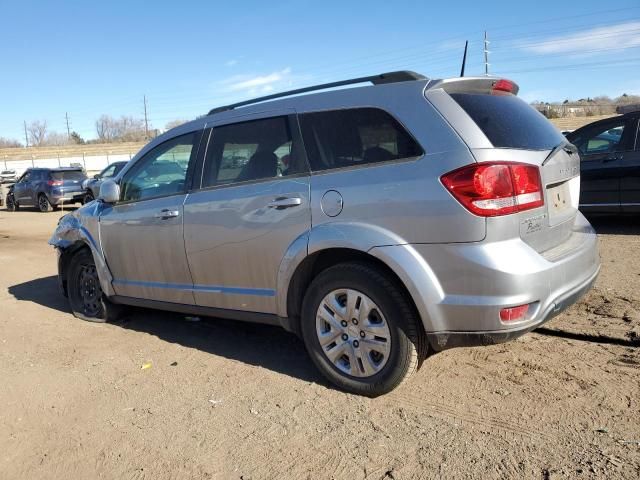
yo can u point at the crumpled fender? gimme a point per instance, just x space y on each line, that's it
83 226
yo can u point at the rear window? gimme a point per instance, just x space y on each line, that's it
352 137
69 175
508 122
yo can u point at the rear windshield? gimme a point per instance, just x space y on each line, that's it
70 175
508 122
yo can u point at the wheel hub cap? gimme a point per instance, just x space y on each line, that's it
353 333
90 291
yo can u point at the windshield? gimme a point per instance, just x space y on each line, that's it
509 122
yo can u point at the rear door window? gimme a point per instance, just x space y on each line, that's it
354 137
509 122
250 151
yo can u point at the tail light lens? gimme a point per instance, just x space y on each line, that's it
513 314
54 183
496 188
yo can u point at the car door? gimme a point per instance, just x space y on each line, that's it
602 148
21 190
142 235
630 174
251 204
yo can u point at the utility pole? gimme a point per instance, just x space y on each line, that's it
486 55
146 120
26 137
66 117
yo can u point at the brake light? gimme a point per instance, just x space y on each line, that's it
496 188
54 183
513 314
503 86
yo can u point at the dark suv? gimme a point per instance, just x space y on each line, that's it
610 163
46 188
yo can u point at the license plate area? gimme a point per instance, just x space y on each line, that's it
560 203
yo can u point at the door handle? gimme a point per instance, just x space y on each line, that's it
166 214
285 202
613 157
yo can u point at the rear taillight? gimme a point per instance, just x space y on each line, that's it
496 188
54 183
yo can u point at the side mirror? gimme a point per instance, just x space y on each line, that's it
109 192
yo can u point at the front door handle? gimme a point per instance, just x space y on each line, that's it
285 202
166 214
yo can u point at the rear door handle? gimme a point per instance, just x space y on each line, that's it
613 157
285 202
166 214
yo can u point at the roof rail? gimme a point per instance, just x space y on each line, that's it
622 109
390 77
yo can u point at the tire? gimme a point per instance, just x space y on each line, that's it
368 365
11 203
86 299
88 197
43 203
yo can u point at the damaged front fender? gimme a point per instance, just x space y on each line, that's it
82 228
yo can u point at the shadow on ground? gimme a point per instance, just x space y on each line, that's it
615 224
260 345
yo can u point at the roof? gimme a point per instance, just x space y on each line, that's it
383 78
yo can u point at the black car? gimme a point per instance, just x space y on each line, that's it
91 186
46 188
610 163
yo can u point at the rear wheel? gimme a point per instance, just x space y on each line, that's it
12 205
86 298
43 203
360 329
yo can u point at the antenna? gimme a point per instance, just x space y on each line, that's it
464 58
486 55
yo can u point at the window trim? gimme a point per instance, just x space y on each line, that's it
188 177
296 136
365 165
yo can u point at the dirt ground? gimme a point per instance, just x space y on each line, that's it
236 401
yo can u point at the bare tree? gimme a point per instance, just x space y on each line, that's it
37 132
105 128
124 129
9 143
55 138
174 123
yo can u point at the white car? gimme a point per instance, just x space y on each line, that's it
7 176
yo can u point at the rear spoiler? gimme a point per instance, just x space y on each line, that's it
483 85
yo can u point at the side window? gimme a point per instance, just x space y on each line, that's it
162 171
109 171
254 150
602 139
25 178
351 137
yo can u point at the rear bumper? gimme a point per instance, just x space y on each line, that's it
459 289
444 340
67 197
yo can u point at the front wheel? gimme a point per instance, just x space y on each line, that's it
88 197
360 329
85 294
12 205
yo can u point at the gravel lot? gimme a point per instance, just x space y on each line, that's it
232 400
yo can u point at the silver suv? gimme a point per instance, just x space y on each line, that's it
378 223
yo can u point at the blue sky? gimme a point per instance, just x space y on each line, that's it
93 58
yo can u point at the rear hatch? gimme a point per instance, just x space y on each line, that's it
66 183
510 130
